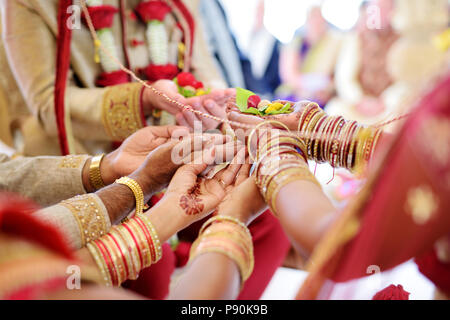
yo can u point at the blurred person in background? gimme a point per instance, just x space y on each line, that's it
307 63
255 66
361 71
260 63
387 58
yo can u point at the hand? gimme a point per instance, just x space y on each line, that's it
151 100
290 120
190 198
161 164
213 104
134 150
243 199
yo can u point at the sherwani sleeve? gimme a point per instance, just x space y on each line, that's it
81 219
45 180
100 114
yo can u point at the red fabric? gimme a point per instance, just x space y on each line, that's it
155 72
189 19
34 291
16 219
435 270
392 292
152 10
62 69
102 16
188 79
154 281
123 30
182 253
107 79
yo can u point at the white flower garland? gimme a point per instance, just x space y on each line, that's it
157 40
107 39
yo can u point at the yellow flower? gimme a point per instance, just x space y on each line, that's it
200 92
274 107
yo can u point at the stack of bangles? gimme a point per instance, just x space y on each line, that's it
281 160
334 140
129 247
228 236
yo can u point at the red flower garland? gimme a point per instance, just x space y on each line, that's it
152 10
187 79
107 79
102 16
435 270
157 72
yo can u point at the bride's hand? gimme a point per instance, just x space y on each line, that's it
189 197
290 120
211 104
243 199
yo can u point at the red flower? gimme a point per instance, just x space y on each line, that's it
152 10
135 42
392 293
107 79
101 16
187 79
158 72
253 101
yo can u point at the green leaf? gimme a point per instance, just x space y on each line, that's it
252 111
242 96
284 110
186 92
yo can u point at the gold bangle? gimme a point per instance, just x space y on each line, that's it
154 236
283 178
100 263
220 218
256 129
137 191
95 176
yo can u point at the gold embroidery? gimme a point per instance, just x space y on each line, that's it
72 162
121 110
421 203
89 216
434 138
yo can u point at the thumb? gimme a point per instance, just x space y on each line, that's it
200 163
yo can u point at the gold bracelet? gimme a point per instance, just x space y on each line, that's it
137 191
95 176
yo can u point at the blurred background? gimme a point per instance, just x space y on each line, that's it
365 60
362 59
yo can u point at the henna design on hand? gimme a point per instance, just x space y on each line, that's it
191 202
